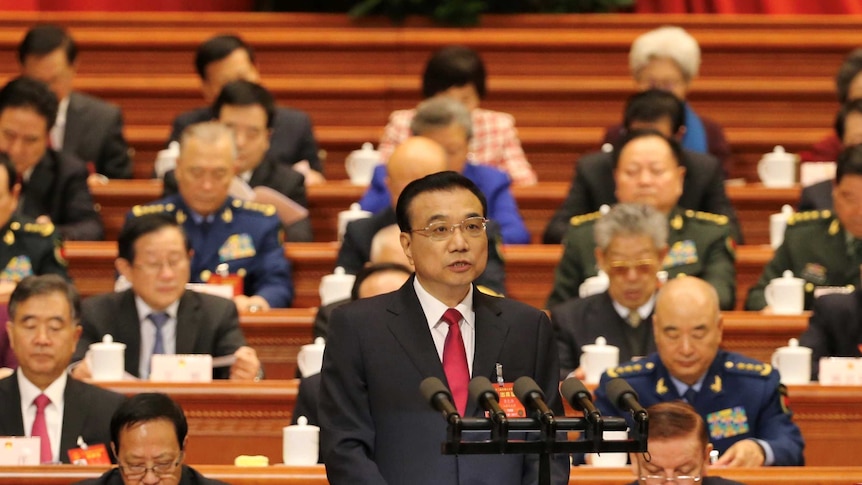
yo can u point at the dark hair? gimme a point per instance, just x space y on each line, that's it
216 49
851 66
849 162
146 407
633 135
6 162
651 106
676 419
453 66
440 181
139 226
25 92
245 93
44 39
372 269
852 106
41 285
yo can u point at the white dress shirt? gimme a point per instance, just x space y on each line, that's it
434 310
53 411
148 334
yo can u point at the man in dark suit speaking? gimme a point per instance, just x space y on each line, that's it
376 427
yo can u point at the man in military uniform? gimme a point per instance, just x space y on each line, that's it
234 241
822 247
648 171
740 399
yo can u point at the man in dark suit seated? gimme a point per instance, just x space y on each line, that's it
157 315
149 437
678 448
43 331
248 109
226 58
53 184
631 242
593 184
834 329
86 127
375 425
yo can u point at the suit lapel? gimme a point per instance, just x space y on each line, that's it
187 325
74 415
129 331
73 131
410 329
11 420
491 333
261 174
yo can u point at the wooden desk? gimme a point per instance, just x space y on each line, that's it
757 335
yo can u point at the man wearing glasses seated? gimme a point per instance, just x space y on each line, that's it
678 448
631 241
148 435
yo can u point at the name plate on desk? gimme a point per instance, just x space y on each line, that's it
19 450
181 368
840 371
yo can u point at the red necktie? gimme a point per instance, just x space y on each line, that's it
455 360
40 428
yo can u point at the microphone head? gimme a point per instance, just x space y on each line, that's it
616 389
570 390
431 386
480 386
524 387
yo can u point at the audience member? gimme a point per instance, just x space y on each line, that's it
447 122
823 248
375 426
228 236
593 184
668 58
413 159
248 109
678 448
459 73
834 328
631 242
157 315
149 434
40 398
226 58
53 184
85 126
647 171
740 399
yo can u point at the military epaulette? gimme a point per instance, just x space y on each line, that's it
140 210
631 369
718 219
807 216
749 368
580 219
44 230
265 209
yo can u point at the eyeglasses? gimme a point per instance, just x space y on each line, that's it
155 267
641 267
137 472
661 479
440 231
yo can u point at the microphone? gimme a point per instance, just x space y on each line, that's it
625 398
529 393
483 392
435 392
577 394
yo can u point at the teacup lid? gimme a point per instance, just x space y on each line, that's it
319 342
793 342
601 341
788 274
787 210
366 151
778 153
302 426
108 341
339 275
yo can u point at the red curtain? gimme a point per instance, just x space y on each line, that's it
767 7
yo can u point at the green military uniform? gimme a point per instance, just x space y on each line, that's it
817 249
29 248
699 245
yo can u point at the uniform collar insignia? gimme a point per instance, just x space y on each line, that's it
716 385
660 387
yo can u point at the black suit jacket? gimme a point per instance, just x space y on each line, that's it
94 133
280 178
206 324
834 329
816 197
58 188
593 186
292 135
375 426
580 321
87 413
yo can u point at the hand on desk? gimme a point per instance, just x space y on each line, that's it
247 365
745 453
250 303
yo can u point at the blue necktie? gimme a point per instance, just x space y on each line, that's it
689 395
159 319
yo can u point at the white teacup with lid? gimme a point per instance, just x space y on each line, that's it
301 443
777 168
354 213
336 286
310 357
777 225
360 164
793 362
785 295
597 358
107 359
